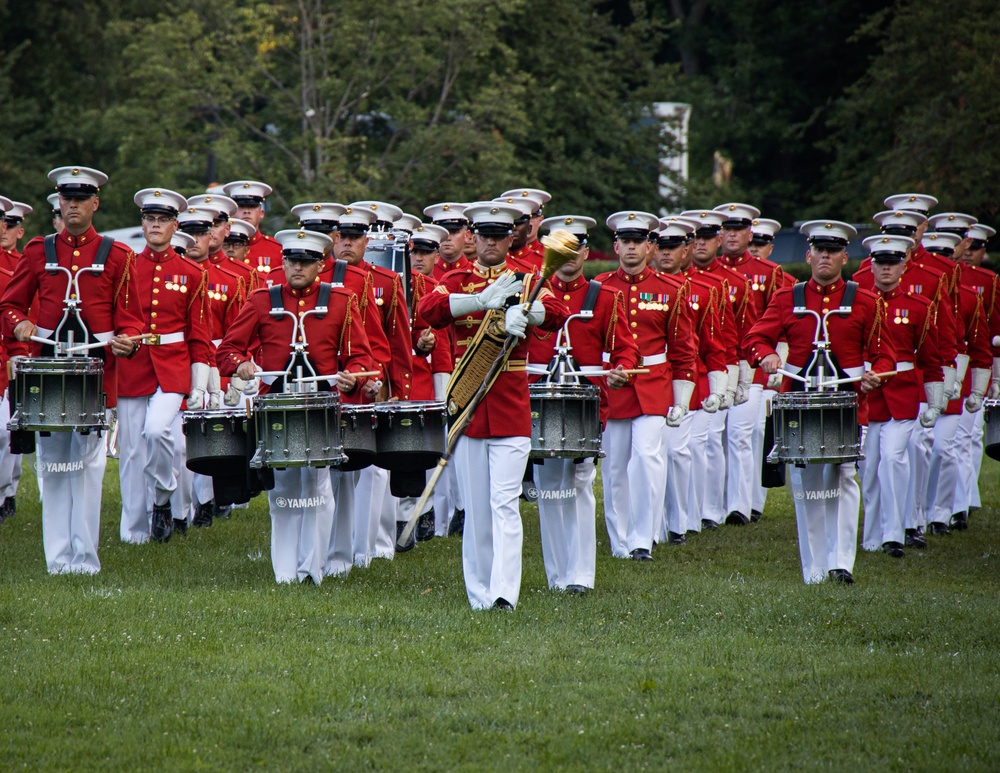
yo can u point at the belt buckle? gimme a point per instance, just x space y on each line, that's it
153 340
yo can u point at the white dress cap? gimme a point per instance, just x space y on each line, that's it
828 232
536 194
632 224
492 217
888 248
326 213
919 202
675 229
578 225
294 241
181 241
936 241
195 219
53 199
356 219
160 200
406 223
737 215
525 206
250 190
447 213
78 180
763 228
906 219
240 230
953 222
18 211
220 203
428 236
704 218
978 231
5 205
386 214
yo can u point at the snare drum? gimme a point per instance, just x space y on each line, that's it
565 421
59 394
815 428
357 432
991 419
216 441
297 430
410 435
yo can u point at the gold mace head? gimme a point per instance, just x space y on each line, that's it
561 246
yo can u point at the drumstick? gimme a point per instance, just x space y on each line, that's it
41 340
362 374
141 337
788 373
604 373
852 379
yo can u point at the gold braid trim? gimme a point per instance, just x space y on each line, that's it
680 301
124 281
742 310
363 300
979 311
345 329
394 302
239 296
925 331
199 292
876 329
610 336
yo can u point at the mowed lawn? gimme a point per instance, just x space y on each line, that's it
716 656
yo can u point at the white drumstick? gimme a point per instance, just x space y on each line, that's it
41 340
85 347
362 374
796 376
852 379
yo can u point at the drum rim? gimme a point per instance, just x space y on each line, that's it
561 390
401 406
294 400
78 365
826 399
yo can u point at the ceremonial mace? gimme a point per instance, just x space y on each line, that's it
560 248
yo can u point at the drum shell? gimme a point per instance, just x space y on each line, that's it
297 430
565 421
358 436
411 435
991 421
59 394
216 441
815 428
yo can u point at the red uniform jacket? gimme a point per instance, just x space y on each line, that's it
439 359
855 339
987 286
973 340
505 410
530 255
739 296
713 349
264 257
660 321
109 303
442 267
606 333
909 325
172 294
226 295
390 313
335 342
11 347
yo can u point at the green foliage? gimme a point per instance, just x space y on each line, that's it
713 657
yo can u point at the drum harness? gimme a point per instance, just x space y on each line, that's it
306 379
563 368
814 374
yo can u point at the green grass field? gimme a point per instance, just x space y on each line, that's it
716 656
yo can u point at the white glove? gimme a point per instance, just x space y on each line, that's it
440 385
995 383
682 399
717 383
214 388
732 378
935 404
493 297
774 380
743 384
951 382
962 367
199 385
517 320
980 380
234 392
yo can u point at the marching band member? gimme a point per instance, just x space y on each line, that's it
893 409
10 462
662 326
567 516
301 502
526 247
58 224
765 279
264 253
72 464
738 294
826 496
716 327
174 361
13 218
490 457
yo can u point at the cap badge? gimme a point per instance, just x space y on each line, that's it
703 214
446 208
300 235
316 207
829 225
494 211
631 215
157 193
732 207
885 239
373 207
75 172
568 221
349 211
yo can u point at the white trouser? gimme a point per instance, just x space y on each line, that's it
673 516
453 497
490 472
921 440
71 467
885 477
8 484
567 519
146 458
943 472
370 490
340 548
969 442
701 477
827 503
634 481
740 461
405 506
182 500
714 507
301 505
759 492
387 513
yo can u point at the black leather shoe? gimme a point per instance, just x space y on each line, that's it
203 515
221 512
736 518
707 525
676 539
503 604
180 527
841 575
960 522
915 539
893 549
755 515
457 523
577 590
425 526
936 527
9 509
640 554
163 523
410 543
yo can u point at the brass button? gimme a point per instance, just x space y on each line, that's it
72 296
635 289
74 268
153 315
76 253
634 324
634 312
635 335
156 290
156 302
634 300
566 297
302 303
156 279
152 327
159 268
